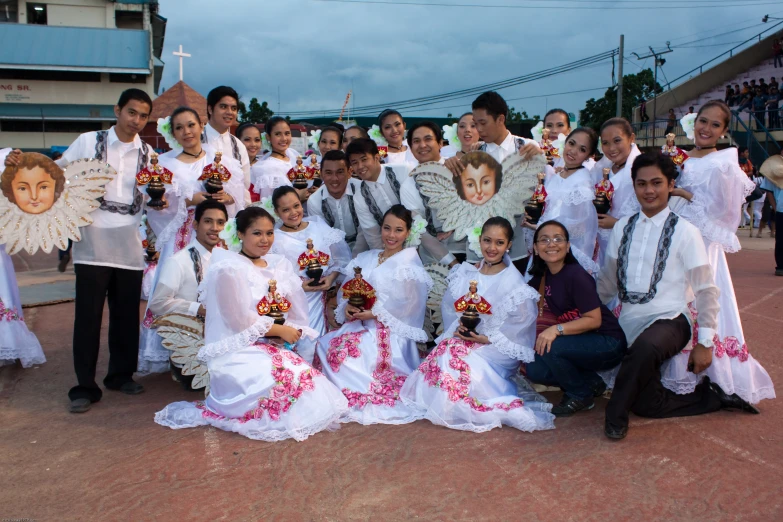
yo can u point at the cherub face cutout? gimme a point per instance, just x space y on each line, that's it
34 185
476 185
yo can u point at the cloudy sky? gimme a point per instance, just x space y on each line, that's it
314 51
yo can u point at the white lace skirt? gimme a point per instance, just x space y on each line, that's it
316 302
369 364
264 393
16 341
153 357
469 386
732 368
148 279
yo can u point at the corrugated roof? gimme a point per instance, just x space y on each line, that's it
44 47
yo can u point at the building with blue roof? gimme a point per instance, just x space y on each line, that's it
64 63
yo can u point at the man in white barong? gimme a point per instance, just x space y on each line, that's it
490 111
222 108
379 188
182 273
334 200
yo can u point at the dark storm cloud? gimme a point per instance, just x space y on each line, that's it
315 51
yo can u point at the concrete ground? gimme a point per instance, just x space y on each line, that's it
114 463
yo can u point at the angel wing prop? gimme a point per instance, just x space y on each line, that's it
184 336
49 205
461 213
438 273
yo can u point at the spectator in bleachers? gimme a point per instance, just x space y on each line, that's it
758 104
773 106
690 110
745 88
764 86
746 99
671 123
744 161
753 86
729 97
777 52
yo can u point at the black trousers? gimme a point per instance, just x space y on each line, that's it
779 240
123 288
638 386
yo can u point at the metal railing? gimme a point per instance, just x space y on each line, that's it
744 127
730 52
647 132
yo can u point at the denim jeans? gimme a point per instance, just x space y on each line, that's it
573 361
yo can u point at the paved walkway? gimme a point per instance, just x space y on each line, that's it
114 463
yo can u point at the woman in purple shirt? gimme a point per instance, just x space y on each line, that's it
577 336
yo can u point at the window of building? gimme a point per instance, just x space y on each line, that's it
36 14
129 19
49 126
49 76
127 78
8 11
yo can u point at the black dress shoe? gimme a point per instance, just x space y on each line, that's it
615 432
599 388
130 387
79 405
734 401
570 405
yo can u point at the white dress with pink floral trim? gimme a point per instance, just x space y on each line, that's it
173 229
327 240
471 386
369 360
16 341
719 188
258 387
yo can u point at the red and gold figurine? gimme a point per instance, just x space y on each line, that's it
154 177
312 262
214 175
359 292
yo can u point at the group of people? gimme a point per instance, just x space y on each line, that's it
638 299
762 99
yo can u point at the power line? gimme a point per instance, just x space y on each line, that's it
428 100
551 5
528 97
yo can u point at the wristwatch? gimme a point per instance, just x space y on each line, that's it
560 330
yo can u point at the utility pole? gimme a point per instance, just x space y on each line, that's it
620 78
658 63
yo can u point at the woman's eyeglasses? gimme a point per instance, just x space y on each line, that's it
557 240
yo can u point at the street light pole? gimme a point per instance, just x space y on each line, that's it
620 78
658 63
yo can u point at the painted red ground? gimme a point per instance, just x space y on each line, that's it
114 463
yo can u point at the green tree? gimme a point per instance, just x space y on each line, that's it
515 116
636 89
254 112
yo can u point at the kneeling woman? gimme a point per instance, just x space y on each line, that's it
370 356
258 387
577 335
328 248
466 382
